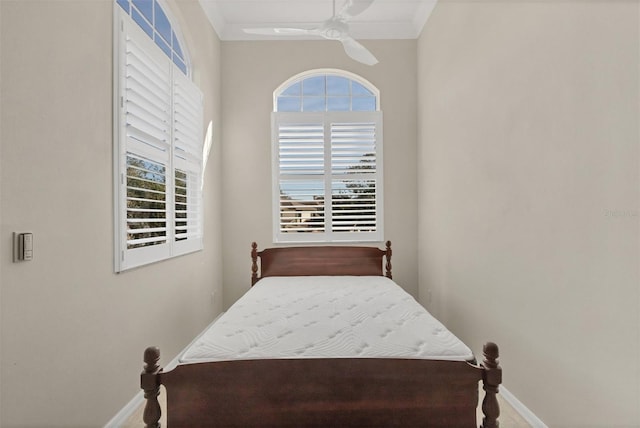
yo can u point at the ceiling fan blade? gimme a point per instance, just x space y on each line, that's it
352 8
358 52
282 31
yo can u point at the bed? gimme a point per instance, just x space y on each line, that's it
324 338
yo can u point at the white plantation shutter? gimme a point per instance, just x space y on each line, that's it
354 177
327 172
301 148
146 202
146 106
147 98
187 162
158 154
301 160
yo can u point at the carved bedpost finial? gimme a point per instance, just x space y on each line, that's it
388 264
254 263
150 384
491 378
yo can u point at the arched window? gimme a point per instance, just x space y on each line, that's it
327 159
157 139
327 91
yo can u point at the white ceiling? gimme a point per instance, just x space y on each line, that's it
384 19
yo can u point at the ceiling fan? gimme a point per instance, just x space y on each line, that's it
334 28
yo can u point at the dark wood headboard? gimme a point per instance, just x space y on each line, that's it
313 261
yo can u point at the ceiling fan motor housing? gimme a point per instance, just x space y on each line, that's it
335 29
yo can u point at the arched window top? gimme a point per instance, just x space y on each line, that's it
326 90
153 20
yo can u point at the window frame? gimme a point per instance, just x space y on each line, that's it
126 256
327 118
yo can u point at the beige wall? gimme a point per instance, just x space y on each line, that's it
73 331
528 197
251 72
527 146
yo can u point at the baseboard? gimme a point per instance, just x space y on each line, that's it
522 410
125 413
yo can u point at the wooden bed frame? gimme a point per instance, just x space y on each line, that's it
339 392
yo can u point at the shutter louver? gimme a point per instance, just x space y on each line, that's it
301 164
146 202
148 97
353 168
354 205
301 149
353 148
187 159
302 206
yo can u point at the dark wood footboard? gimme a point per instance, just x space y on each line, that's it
323 392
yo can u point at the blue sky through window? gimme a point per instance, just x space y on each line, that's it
359 90
314 86
176 45
289 103
337 85
145 7
162 23
338 104
293 90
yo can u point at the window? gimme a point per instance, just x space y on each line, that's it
327 159
157 140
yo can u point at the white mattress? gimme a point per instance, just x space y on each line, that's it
326 317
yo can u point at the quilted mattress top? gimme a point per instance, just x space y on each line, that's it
326 317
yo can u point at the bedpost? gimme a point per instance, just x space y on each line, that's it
491 379
150 383
388 264
254 263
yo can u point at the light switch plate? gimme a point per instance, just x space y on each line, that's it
22 246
